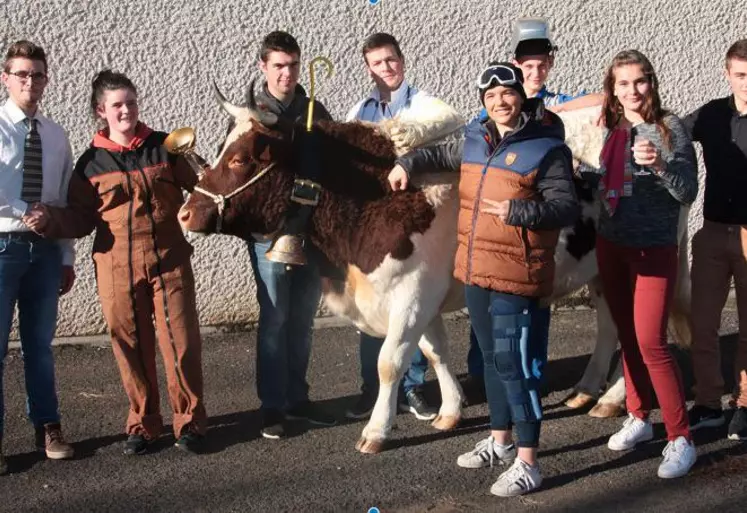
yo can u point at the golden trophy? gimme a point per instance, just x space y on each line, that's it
182 142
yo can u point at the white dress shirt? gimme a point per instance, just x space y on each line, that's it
57 168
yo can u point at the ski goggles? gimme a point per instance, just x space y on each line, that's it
498 75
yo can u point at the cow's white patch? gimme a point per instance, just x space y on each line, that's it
243 125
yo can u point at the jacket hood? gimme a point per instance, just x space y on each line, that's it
101 139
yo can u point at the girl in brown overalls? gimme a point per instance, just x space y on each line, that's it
129 188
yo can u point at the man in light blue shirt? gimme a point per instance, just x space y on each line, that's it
420 118
35 167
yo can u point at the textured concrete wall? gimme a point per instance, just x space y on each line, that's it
172 49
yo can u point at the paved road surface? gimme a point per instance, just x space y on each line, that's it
318 470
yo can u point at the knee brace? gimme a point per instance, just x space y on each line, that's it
512 363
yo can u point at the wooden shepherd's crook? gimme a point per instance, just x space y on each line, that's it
312 73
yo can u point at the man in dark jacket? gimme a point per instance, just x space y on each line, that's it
718 248
288 296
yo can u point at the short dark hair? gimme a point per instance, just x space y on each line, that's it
737 51
108 80
278 41
26 50
379 40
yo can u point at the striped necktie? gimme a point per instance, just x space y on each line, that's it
32 164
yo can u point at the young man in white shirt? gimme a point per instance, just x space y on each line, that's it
422 118
35 167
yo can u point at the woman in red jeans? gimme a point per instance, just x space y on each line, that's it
647 172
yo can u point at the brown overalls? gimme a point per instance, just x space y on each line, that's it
132 196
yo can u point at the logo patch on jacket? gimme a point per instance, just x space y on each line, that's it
510 158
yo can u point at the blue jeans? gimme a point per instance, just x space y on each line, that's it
369 350
30 275
288 300
475 365
512 332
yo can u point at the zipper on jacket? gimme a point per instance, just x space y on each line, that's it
527 250
131 269
476 208
167 318
478 196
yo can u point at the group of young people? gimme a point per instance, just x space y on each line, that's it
516 192
514 166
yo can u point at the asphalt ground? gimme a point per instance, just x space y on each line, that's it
319 470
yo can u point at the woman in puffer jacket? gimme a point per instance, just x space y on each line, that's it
516 193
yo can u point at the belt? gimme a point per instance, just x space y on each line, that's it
22 236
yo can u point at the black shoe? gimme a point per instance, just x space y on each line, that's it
738 424
190 442
3 465
474 390
417 405
272 424
703 416
363 407
136 445
307 411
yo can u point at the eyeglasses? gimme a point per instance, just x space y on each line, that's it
501 75
25 76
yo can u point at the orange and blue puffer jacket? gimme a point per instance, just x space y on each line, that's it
531 166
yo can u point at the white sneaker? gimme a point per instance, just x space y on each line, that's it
679 457
485 452
634 431
519 479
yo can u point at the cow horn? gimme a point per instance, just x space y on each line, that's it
268 119
234 110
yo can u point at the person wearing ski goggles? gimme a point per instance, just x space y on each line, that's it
515 193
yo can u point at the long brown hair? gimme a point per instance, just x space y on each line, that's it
652 111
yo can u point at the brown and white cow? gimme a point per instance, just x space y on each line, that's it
396 249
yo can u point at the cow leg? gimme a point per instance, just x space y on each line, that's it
612 403
595 374
434 344
394 358
681 311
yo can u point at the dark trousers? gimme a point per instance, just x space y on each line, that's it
512 333
475 366
719 254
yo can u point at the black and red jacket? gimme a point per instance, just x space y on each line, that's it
126 193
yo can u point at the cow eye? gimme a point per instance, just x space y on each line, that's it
239 161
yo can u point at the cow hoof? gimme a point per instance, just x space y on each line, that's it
365 446
445 422
579 400
607 410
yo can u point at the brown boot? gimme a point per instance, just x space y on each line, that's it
50 439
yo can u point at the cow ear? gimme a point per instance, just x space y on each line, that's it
264 149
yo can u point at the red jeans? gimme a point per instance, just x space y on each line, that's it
638 284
